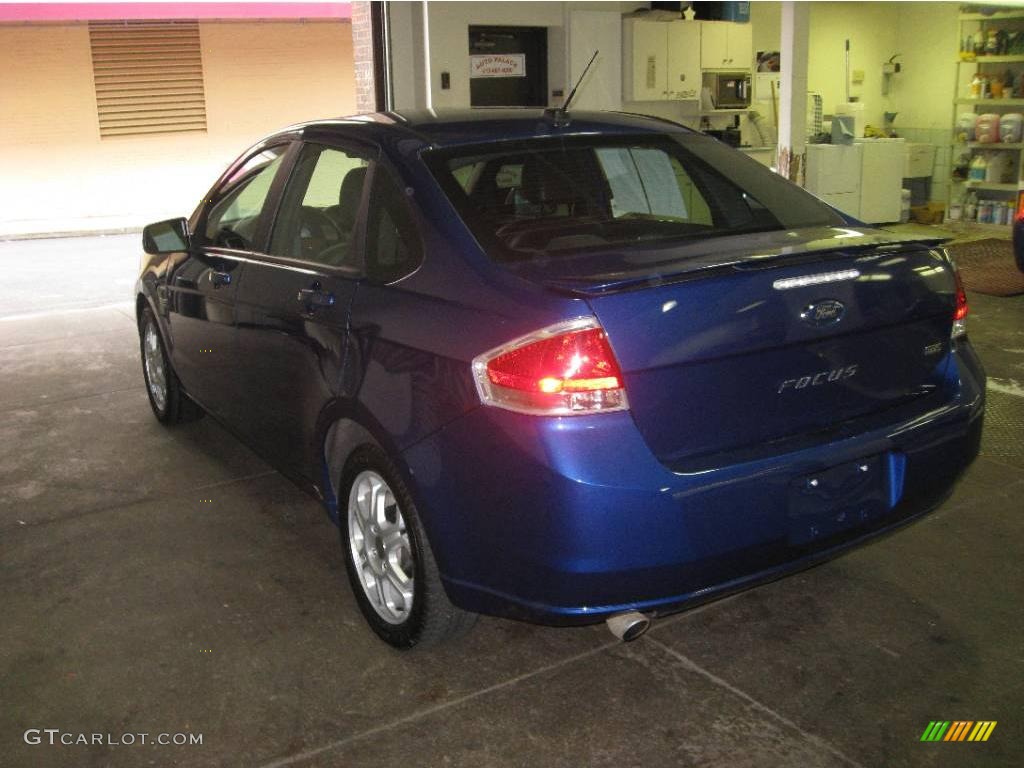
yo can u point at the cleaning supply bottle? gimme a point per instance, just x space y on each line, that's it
971 207
978 168
975 92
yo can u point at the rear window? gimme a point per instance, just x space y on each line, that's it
546 197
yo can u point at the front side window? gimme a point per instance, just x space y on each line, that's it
543 198
232 221
318 214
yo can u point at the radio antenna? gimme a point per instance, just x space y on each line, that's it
561 114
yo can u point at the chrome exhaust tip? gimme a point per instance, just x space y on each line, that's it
628 626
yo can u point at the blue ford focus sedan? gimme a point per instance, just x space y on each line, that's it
560 367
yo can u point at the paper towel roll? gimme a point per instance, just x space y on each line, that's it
857 110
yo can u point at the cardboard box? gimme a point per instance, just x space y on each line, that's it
928 214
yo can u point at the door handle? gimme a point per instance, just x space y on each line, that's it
220 278
315 297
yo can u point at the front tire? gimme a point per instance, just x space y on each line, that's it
166 395
390 565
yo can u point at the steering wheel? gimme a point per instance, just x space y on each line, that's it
316 232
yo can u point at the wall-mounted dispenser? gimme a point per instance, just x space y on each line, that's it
889 68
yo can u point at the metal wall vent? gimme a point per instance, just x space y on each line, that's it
148 76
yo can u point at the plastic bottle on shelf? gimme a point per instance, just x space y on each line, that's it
985 212
1010 127
978 168
965 123
998 167
971 207
986 130
975 91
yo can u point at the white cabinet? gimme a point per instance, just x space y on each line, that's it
683 60
725 45
660 60
644 60
863 179
833 174
920 160
881 179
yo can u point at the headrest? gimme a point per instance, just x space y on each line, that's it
546 182
349 196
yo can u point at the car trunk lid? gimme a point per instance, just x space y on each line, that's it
750 339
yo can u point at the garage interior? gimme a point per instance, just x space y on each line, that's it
158 580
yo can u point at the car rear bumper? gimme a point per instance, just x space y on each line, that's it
568 521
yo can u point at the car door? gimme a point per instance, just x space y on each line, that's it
293 303
202 287
393 368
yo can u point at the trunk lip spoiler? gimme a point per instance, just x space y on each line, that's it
737 260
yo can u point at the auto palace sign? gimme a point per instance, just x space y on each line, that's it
498 65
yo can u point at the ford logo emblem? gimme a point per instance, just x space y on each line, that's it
823 313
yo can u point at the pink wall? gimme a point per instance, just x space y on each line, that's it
118 11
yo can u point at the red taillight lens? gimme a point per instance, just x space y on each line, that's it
960 313
564 369
1019 216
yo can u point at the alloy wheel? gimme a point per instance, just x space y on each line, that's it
153 359
380 547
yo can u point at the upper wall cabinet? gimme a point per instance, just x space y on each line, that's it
660 60
725 45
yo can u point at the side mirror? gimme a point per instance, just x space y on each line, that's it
166 236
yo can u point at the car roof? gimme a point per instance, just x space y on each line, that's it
449 128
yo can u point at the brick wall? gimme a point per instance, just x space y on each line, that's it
362 50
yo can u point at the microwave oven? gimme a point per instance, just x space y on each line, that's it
729 90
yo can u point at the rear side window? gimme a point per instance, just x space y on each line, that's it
393 247
547 197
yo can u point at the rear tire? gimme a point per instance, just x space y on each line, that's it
166 395
390 565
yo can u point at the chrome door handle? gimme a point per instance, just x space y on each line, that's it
315 297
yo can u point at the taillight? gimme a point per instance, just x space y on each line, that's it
960 313
1019 216
563 370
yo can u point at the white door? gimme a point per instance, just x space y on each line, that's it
600 31
683 60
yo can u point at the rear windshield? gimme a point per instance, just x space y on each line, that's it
553 196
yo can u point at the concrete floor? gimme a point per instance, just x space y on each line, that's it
156 580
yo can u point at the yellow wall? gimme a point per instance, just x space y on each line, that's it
60 176
871 29
928 38
924 33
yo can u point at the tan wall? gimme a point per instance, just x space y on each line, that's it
58 175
